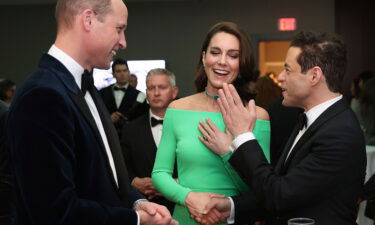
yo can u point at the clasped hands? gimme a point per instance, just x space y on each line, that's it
153 214
208 208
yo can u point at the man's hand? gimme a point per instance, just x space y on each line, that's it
145 186
218 210
154 214
115 116
238 118
196 202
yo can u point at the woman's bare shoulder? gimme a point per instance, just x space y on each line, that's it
186 103
262 114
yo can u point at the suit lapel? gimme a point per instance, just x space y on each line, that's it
123 102
67 79
83 107
50 63
114 144
150 145
323 118
128 100
111 97
281 163
80 102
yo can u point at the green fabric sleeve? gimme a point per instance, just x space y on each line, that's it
164 165
262 132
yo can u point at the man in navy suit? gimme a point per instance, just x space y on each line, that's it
322 168
141 137
123 101
66 156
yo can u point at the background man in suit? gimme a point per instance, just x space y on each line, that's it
141 137
123 101
322 169
65 154
133 80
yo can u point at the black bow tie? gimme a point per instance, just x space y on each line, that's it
302 121
87 82
119 89
155 122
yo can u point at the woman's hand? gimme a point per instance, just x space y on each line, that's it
196 202
213 138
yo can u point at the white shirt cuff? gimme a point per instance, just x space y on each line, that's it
230 219
240 139
138 219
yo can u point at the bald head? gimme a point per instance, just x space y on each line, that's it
66 10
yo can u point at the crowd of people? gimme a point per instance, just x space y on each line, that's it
241 150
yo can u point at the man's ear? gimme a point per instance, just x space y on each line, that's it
175 92
316 75
87 18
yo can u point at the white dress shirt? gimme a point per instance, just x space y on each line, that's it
312 115
156 130
119 94
77 70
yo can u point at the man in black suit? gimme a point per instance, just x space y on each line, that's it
67 161
141 137
123 101
321 171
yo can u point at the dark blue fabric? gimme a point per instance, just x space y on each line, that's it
62 174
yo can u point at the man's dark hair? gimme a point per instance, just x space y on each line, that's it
325 51
366 75
5 85
119 61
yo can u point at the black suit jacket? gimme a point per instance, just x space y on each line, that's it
61 168
322 177
283 120
139 150
129 106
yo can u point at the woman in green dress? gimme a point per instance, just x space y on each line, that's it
226 57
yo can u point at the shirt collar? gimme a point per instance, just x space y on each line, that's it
73 66
317 110
124 86
155 116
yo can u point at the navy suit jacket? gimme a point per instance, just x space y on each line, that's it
321 179
61 169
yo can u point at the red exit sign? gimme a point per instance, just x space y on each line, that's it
287 24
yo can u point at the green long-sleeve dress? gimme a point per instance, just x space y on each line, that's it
199 169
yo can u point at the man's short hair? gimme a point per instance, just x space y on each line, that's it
66 10
171 76
323 50
119 61
5 85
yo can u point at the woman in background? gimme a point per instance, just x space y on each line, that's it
226 57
